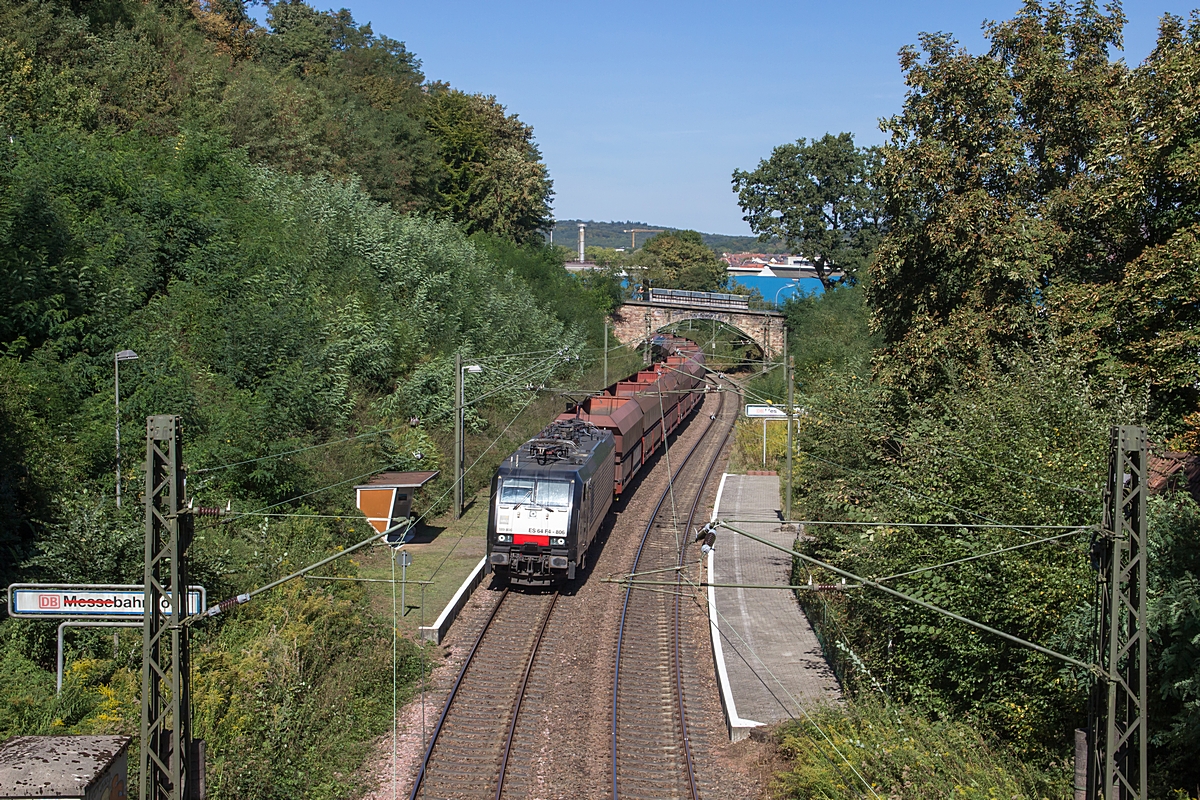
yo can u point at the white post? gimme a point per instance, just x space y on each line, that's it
764 442
117 402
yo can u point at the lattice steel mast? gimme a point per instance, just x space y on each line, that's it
166 714
1117 769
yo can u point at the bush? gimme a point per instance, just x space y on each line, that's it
834 752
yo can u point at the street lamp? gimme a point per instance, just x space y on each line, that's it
118 357
791 285
460 372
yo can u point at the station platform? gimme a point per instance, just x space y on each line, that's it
772 660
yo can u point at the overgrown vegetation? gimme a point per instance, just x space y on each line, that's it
285 224
840 752
1032 287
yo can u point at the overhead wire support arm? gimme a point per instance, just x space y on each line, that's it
238 600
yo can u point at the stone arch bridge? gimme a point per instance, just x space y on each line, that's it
636 320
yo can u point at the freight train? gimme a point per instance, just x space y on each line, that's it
549 498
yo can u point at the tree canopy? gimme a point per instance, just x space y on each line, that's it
1036 280
818 198
495 180
1056 202
311 91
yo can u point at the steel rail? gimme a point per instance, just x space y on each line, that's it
687 747
625 609
512 724
450 699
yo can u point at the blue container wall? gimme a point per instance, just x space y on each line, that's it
769 286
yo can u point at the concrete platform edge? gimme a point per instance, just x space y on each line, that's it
437 631
738 728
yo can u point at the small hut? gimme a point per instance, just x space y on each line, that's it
386 502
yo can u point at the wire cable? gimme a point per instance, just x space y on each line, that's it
293 452
258 511
1076 489
468 469
1091 668
984 555
902 488
785 690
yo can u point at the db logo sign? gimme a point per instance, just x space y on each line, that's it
48 601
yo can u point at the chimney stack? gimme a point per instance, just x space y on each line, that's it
581 227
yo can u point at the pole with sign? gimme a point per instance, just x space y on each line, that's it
764 411
791 411
89 605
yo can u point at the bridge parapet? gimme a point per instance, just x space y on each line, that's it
637 320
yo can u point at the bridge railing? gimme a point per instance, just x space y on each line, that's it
728 302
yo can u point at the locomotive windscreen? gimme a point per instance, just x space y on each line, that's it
547 494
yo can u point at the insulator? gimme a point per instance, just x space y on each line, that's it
208 511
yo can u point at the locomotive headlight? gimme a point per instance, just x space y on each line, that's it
500 537
558 541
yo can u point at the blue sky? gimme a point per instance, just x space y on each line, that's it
643 109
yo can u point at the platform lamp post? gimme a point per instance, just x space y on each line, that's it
460 378
118 357
791 285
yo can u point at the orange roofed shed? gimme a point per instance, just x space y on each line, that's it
386 500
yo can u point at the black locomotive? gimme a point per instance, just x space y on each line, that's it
550 497
548 500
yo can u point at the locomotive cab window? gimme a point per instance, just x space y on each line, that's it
554 494
516 490
526 491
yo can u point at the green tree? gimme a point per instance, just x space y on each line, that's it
985 182
818 198
680 260
1174 618
1130 294
495 181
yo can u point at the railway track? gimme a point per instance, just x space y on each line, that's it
652 754
470 747
486 743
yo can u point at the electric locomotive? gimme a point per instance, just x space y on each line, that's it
548 500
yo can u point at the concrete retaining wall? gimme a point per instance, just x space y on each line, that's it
437 631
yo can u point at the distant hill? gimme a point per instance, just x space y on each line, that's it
612 234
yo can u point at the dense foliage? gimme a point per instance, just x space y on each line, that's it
236 204
1034 285
898 754
312 92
